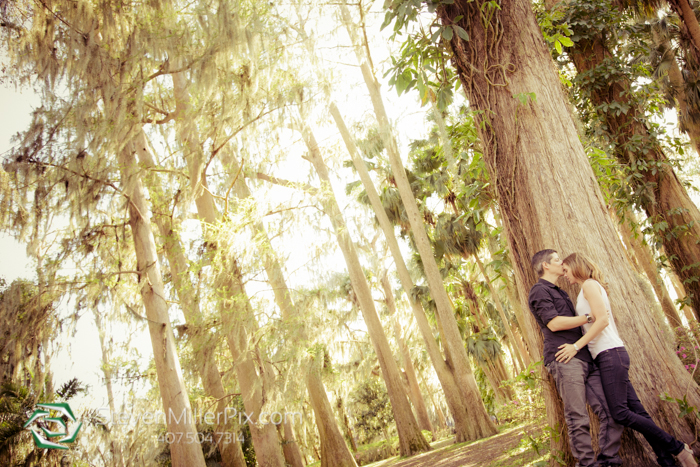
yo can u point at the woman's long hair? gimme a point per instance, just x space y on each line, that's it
583 268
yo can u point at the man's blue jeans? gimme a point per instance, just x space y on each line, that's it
578 382
625 407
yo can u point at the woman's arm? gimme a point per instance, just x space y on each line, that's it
591 292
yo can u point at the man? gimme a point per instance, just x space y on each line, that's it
578 380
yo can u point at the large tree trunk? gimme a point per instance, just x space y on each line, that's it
549 196
645 259
415 394
482 425
204 345
173 392
411 440
666 200
462 400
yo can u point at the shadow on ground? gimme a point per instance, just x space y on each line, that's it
488 452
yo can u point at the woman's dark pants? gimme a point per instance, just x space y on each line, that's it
627 410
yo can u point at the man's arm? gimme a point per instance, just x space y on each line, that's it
541 304
562 323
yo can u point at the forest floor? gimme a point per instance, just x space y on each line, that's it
519 445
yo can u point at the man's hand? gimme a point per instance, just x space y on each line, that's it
566 353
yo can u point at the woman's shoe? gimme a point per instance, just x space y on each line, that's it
685 457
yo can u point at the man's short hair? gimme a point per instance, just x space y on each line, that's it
542 256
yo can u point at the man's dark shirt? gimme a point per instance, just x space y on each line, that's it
547 301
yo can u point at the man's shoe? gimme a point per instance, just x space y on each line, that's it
685 457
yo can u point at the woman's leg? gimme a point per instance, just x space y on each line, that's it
626 408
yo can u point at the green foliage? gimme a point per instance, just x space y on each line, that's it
683 405
70 389
484 346
423 62
371 409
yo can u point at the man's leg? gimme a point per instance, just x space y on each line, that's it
610 431
570 379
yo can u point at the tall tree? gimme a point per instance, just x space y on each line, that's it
541 176
462 400
653 182
411 440
456 355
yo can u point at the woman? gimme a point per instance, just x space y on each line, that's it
610 355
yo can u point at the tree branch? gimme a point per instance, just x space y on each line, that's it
287 183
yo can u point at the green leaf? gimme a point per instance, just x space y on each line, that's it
462 33
387 19
436 35
447 33
557 45
566 42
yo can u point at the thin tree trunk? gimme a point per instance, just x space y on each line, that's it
411 440
685 12
173 392
416 396
549 197
350 438
292 453
515 303
295 326
688 311
115 446
268 451
482 425
442 423
334 451
687 124
204 346
461 399
499 306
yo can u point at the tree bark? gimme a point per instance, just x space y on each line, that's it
268 451
415 394
645 259
666 200
334 451
685 12
115 445
499 306
482 425
204 346
411 440
170 381
549 196
460 399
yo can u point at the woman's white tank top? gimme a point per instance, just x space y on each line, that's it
609 338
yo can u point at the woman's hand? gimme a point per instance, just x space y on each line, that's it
566 353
